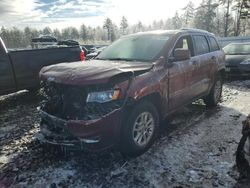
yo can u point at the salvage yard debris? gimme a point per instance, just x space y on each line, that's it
243 150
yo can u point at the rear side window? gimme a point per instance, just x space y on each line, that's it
213 44
201 45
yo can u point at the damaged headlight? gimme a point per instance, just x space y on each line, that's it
246 62
103 96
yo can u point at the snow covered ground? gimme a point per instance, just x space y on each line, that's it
196 148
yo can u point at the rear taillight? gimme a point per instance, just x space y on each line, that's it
82 56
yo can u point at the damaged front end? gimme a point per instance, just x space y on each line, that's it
80 117
83 103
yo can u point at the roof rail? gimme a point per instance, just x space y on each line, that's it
194 29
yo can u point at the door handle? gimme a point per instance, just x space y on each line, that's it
213 57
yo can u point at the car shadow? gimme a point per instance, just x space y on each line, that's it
19 98
18 116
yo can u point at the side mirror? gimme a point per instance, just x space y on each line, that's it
181 54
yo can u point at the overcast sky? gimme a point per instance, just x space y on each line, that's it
64 13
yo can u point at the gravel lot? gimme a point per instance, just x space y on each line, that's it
196 148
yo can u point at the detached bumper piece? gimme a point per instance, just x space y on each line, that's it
54 131
94 135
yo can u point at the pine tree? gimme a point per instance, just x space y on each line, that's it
123 25
188 14
109 26
47 31
176 21
83 32
205 14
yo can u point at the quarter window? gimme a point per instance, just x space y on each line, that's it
201 45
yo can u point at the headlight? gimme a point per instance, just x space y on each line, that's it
246 62
103 96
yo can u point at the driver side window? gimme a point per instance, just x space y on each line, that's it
185 43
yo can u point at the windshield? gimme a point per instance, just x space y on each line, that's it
139 47
237 49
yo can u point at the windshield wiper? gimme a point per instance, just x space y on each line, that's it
122 59
127 59
99 58
115 59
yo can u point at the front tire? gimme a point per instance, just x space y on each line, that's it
215 94
140 129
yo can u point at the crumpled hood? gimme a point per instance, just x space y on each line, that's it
90 72
236 59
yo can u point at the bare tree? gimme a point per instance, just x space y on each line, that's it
57 34
83 32
242 9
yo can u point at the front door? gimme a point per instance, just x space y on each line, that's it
180 75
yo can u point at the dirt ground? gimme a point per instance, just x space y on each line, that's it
196 148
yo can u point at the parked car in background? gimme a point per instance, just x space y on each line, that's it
223 41
237 59
95 53
44 38
119 98
92 47
19 68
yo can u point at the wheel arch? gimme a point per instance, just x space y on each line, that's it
154 97
131 111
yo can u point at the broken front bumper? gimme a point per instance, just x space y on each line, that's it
94 134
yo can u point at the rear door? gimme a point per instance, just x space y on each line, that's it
201 61
216 57
7 82
180 75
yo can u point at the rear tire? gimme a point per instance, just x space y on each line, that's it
140 129
215 94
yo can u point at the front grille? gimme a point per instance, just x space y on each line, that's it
73 101
55 133
63 101
69 102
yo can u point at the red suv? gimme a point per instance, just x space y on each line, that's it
119 98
